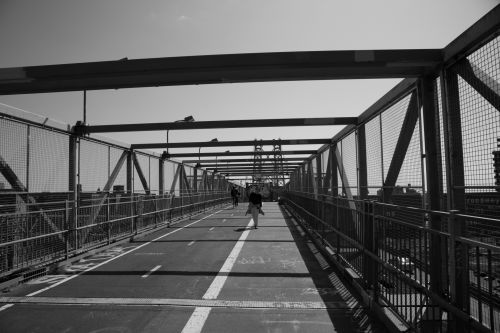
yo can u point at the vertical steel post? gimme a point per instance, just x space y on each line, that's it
433 173
459 276
195 180
73 190
335 192
367 218
28 133
130 173
161 177
67 213
108 215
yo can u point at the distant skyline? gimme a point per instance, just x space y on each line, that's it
65 31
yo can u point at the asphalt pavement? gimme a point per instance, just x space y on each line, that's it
212 273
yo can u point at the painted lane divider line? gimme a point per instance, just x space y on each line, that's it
151 271
216 286
197 320
199 316
6 306
118 256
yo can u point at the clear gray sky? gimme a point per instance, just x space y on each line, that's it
35 32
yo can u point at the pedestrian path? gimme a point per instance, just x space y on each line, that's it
214 273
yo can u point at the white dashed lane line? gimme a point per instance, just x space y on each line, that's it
199 316
6 306
151 271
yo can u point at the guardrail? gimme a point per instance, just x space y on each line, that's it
407 269
33 235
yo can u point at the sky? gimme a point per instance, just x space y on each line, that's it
71 31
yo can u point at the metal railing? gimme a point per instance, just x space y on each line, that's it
406 265
35 234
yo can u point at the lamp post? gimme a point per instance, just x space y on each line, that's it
199 152
166 155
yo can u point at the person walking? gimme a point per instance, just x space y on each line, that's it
255 205
234 194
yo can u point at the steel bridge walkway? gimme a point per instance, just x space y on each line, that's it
211 273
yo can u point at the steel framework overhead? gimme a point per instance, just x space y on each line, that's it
227 143
226 68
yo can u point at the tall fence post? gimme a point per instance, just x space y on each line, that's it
73 189
368 242
67 212
456 190
108 217
428 93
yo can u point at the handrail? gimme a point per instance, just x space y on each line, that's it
440 301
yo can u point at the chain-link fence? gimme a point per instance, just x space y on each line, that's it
62 195
410 206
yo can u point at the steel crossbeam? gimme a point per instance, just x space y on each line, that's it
227 143
223 68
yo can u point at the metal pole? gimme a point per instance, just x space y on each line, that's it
433 168
456 193
85 106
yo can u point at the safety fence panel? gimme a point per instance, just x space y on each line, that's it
13 153
53 207
374 162
93 165
120 183
349 164
478 77
143 161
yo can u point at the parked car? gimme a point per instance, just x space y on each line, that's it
403 263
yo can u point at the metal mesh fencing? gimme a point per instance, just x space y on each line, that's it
169 170
93 165
349 162
154 175
42 220
392 122
121 179
48 161
374 162
13 153
143 161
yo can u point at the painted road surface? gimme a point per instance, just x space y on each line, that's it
214 273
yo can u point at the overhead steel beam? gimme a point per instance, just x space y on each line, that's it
243 153
212 165
197 125
473 37
228 143
487 86
237 160
249 169
251 173
224 68
229 167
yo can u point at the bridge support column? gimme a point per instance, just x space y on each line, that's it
458 265
431 317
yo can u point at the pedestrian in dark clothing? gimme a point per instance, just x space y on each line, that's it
234 194
254 206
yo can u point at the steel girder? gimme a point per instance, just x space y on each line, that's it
225 68
227 143
197 125
243 153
